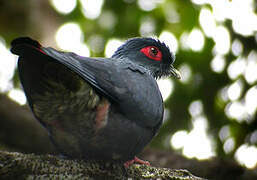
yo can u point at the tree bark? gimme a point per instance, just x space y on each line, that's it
30 166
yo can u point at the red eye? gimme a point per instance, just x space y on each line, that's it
152 52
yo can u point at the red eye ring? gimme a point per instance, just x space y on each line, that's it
152 52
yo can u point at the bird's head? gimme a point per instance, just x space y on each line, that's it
149 53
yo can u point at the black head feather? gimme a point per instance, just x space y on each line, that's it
131 50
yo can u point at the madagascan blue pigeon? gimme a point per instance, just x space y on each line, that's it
96 108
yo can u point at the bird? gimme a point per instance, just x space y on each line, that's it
97 108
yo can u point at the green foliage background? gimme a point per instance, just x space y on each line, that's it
17 19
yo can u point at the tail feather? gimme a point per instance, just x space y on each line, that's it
23 41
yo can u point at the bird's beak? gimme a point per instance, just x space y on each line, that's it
175 73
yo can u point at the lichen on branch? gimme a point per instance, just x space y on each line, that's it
30 166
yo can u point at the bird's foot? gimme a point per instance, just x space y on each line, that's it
136 160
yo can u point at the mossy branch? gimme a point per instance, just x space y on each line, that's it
29 166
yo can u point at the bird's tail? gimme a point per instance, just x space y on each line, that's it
20 45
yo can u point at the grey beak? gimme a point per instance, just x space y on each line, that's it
175 73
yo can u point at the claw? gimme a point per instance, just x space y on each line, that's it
136 160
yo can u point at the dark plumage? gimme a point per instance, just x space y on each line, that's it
96 108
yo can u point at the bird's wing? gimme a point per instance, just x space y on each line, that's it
133 90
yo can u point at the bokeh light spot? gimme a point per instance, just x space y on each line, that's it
107 20
253 137
245 23
218 64
251 68
166 87
222 40
171 13
246 155
236 110
195 40
178 139
64 7
235 90
170 40
224 133
196 108
96 43
251 100
18 96
199 1
186 73
147 27
111 46
207 22
236 68
237 47
91 9
198 144
223 94
166 115
7 66
148 5
70 37
229 145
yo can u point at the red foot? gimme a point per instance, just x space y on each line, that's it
136 160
